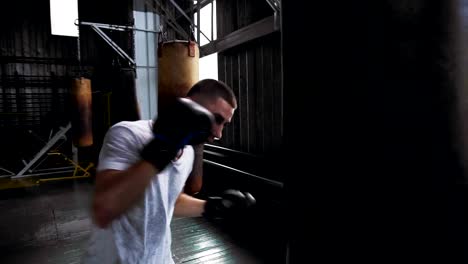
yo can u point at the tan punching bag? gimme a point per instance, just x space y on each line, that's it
177 69
82 133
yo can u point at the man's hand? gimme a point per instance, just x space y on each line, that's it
231 203
183 123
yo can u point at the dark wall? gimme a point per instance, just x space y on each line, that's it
26 43
33 64
37 68
234 15
378 182
253 70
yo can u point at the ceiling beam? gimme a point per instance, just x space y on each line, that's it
255 30
195 7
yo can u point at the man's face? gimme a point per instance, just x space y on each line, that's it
222 112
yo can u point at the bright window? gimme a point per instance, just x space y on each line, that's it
208 67
63 14
205 22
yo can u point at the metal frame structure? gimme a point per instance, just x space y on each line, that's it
227 153
171 20
250 32
275 5
30 168
59 135
97 28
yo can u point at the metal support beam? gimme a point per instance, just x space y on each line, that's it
43 151
114 45
275 5
258 29
271 182
115 27
189 19
212 21
97 28
198 23
171 20
194 9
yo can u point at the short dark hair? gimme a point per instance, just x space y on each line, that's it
214 88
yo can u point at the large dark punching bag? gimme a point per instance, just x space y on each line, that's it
81 98
382 180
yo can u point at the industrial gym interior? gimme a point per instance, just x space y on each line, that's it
72 69
351 127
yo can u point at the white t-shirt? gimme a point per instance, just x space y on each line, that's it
142 234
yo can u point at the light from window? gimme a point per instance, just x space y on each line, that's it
208 67
205 23
63 14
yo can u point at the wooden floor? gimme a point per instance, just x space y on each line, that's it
52 226
197 241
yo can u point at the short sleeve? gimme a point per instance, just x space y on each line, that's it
119 149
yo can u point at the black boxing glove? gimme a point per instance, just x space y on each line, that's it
231 203
184 122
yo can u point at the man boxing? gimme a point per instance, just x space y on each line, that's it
143 166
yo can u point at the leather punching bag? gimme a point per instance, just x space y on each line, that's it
81 98
177 69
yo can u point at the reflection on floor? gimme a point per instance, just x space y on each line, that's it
50 224
198 241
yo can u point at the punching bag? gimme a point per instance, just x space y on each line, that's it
177 69
81 98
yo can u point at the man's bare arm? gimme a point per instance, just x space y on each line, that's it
116 191
189 206
194 182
